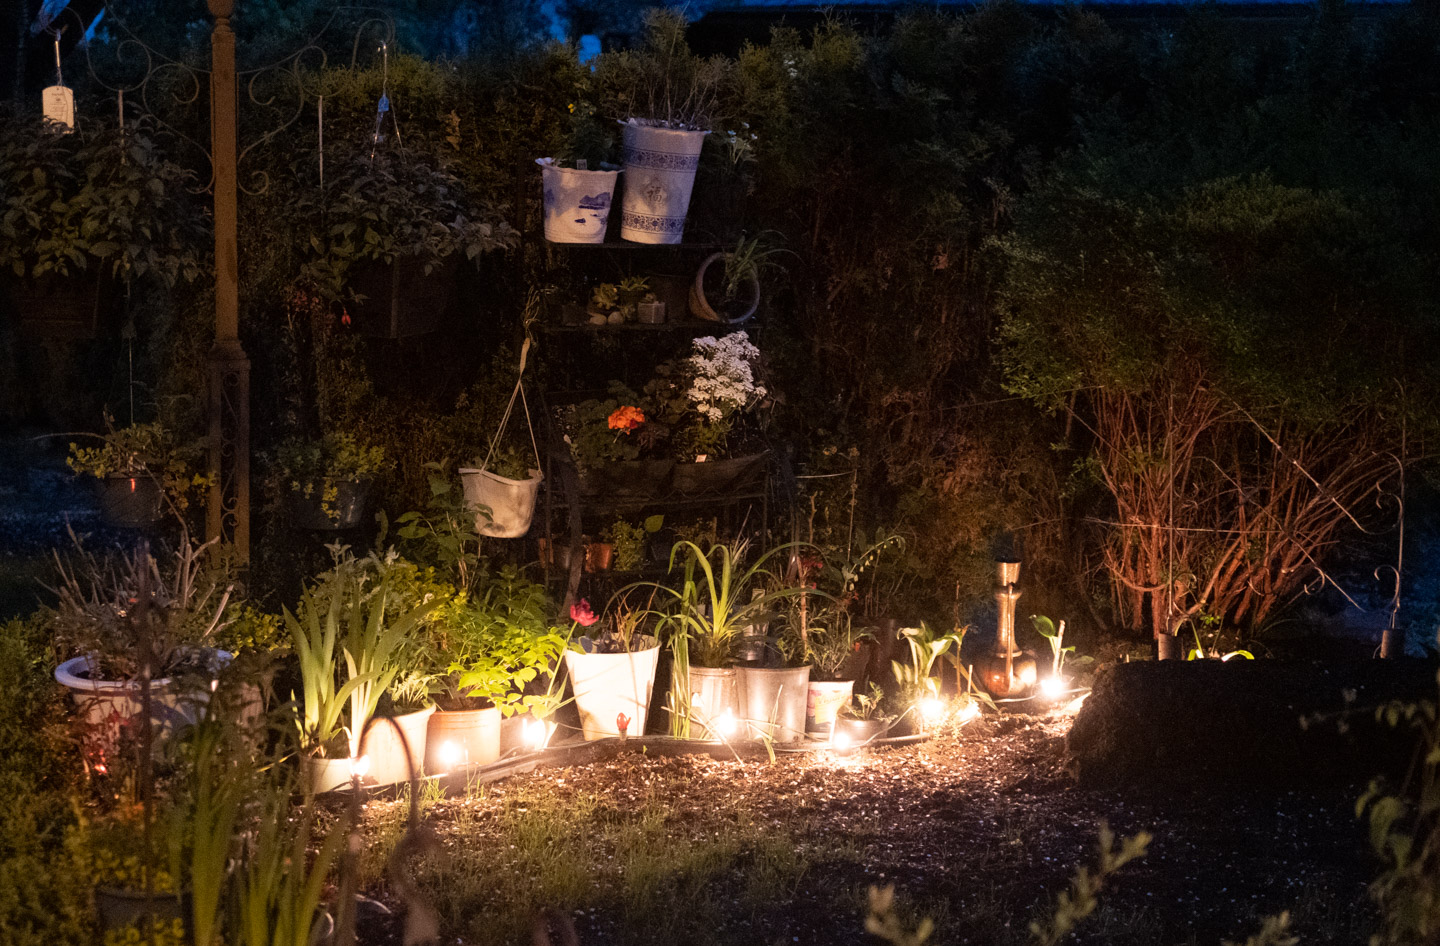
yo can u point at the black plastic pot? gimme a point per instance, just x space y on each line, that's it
637 479
130 502
717 476
63 307
401 299
345 511
118 908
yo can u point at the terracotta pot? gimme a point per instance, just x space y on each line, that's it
599 556
455 739
703 300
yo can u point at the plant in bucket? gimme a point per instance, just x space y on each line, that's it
326 483
170 654
671 95
719 598
344 615
504 486
578 184
612 675
141 469
918 696
497 645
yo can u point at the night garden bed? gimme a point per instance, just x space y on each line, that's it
979 830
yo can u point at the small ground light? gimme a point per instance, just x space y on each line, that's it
841 742
360 767
535 733
451 754
968 712
932 708
1052 688
726 725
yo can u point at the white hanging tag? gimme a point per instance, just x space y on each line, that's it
58 101
59 104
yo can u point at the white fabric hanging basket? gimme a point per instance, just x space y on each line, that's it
511 502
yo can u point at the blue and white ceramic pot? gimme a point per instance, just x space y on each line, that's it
577 203
660 165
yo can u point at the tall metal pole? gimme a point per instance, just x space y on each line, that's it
228 511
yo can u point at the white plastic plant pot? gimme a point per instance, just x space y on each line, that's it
660 165
824 699
392 759
714 703
459 738
772 702
577 203
174 702
608 686
511 502
319 774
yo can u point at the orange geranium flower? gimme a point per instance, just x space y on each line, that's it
626 419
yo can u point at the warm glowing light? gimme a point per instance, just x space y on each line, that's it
451 754
841 742
726 725
360 767
1052 688
534 733
968 712
932 708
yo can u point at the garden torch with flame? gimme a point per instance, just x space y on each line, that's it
1007 672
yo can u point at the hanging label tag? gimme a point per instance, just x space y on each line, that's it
59 106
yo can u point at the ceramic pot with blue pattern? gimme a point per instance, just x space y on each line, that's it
660 165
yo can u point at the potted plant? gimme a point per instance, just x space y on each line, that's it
139 469
327 481
502 490
650 310
125 647
862 720
344 616
631 541
830 642
672 95
385 232
496 647
704 398
578 185
612 675
717 605
719 598
79 210
607 437
726 287
617 303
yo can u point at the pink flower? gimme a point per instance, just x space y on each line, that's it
581 614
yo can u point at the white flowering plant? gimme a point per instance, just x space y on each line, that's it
715 383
